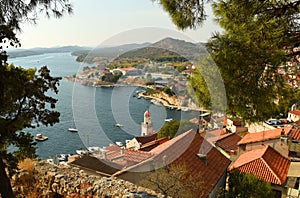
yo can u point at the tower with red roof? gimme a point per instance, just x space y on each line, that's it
147 127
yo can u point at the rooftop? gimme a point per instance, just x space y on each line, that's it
146 139
264 135
265 163
295 112
295 134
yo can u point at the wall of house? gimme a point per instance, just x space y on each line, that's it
132 144
293 117
220 185
277 144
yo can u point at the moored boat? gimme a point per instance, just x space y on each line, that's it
40 137
72 130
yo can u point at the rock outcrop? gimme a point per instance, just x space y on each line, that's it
50 180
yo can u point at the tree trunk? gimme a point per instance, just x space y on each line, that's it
5 186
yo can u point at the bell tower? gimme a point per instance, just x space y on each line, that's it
147 127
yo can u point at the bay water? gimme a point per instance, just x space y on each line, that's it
93 111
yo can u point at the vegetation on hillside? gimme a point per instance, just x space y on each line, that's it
175 128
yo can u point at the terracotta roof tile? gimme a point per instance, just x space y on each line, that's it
228 142
295 134
146 139
266 163
134 157
264 135
295 112
151 145
184 149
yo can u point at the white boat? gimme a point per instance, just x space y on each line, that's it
63 157
119 143
72 130
168 119
118 125
185 109
156 102
82 152
40 137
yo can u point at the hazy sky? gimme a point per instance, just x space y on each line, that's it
95 21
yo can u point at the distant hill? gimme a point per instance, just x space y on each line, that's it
107 53
37 51
186 49
167 49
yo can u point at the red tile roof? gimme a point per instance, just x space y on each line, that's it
151 145
228 142
295 134
146 139
184 149
265 163
264 135
133 157
295 112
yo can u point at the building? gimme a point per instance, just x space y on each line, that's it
147 126
137 142
188 148
268 165
275 138
294 115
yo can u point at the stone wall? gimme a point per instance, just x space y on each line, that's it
50 180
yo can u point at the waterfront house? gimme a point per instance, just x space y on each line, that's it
268 165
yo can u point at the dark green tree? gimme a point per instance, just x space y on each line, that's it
185 13
247 186
24 102
259 38
175 127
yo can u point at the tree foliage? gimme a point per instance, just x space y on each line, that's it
247 186
175 127
185 13
257 41
24 102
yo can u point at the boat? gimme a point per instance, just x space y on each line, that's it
168 119
40 137
82 152
156 102
119 143
118 125
63 157
72 130
185 109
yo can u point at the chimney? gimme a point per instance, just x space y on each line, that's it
122 150
282 132
203 158
104 154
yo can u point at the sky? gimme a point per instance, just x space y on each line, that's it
96 22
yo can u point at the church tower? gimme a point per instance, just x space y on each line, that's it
147 127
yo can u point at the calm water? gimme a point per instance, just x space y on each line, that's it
93 111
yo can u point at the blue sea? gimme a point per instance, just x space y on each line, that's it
93 111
